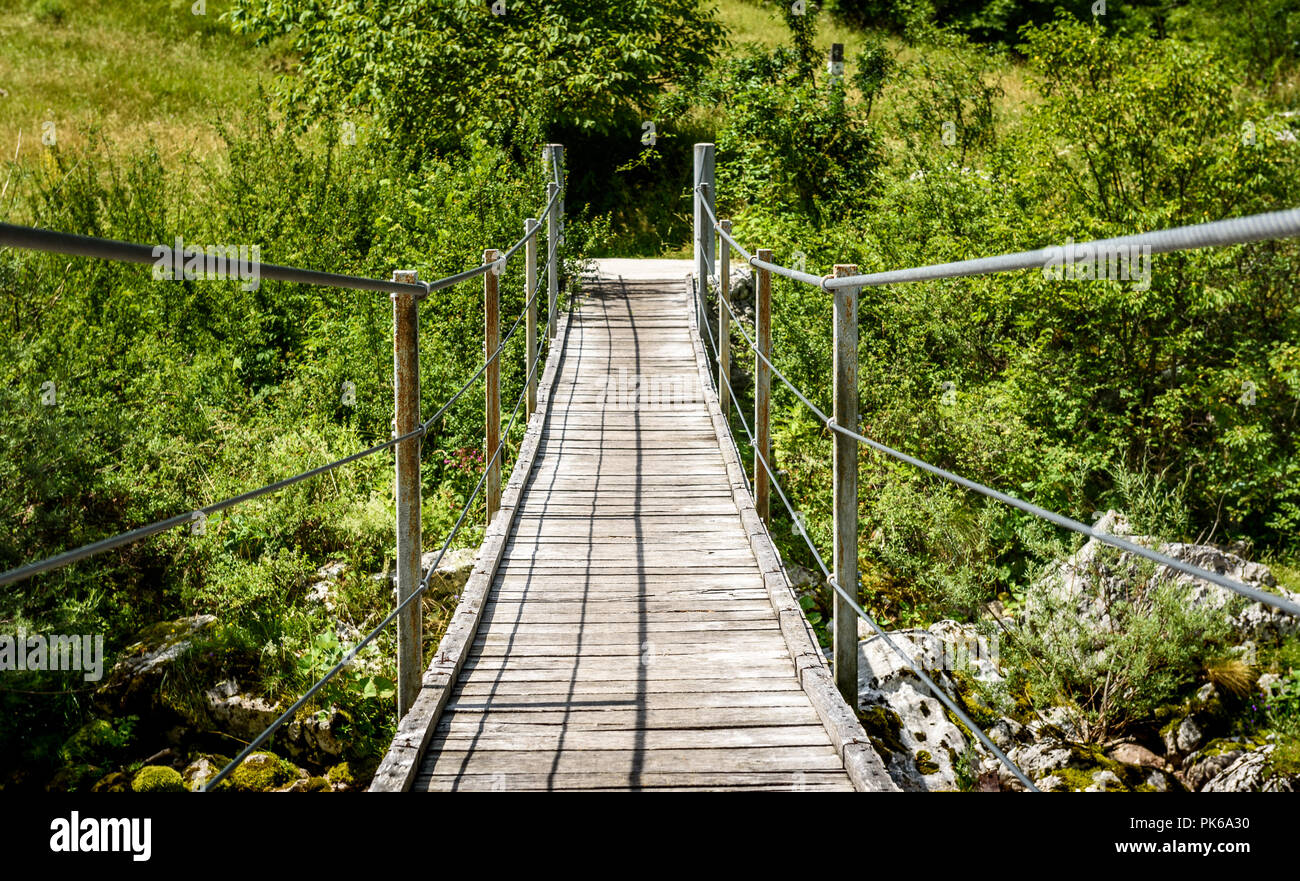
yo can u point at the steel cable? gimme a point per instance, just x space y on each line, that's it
392 616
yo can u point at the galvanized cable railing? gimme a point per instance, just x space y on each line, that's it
28 238
1288 222
392 616
1113 251
410 288
798 521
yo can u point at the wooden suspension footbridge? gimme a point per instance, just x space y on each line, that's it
628 624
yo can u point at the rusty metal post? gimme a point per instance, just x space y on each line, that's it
492 378
763 388
530 323
724 326
703 230
553 157
406 398
846 486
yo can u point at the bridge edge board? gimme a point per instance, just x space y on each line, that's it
400 765
863 764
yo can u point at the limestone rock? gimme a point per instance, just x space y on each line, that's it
323 589
1254 621
198 772
239 715
1136 754
1250 773
1188 736
452 572
1092 583
1103 780
135 678
918 743
1200 769
307 738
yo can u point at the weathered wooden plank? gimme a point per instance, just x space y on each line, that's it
486 684
494 719
684 628
531 738
523 613
634 761
653 701
688 781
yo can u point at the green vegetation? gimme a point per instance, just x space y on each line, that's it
156 778
364 142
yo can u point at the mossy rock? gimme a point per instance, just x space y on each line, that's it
1080 779
262 772
341 775
925 763
202 768
93 741
1221 745
885 729
318 784
158 778
115 781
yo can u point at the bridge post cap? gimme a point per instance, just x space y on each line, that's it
412 277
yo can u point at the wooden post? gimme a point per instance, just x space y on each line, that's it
763 389
703 229
406 418
724 326
530 323
553 156
846 486
491 340
835 67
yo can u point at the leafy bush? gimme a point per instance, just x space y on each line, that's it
1115 672
435 72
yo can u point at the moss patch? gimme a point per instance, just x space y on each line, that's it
884 728
158 778
341 775
261 772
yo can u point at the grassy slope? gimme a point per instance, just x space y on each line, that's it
137 71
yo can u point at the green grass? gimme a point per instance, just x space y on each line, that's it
759 22
748 21
136 71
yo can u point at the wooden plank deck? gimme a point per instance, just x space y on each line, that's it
629 638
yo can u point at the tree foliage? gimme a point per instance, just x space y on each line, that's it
436 70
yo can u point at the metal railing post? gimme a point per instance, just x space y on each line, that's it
553 156
492 379
763 389
530 323
406 418
846 486
703 228
724 326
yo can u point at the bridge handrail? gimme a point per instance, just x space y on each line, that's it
1259 227
31 238
1286 223
35 239
830 579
